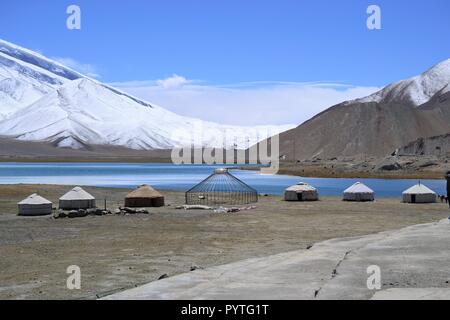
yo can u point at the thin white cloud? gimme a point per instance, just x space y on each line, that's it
84 68
173 82
256 103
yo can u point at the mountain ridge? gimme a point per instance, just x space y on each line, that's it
376 125
415 90
42 100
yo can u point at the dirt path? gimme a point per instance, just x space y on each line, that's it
412 263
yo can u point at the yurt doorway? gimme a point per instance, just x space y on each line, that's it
300 196
413 198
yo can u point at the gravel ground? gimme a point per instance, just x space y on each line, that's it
120 252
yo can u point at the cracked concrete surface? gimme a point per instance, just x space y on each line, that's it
414 263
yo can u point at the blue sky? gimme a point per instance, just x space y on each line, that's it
227 43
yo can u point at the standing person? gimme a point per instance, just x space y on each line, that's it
447 176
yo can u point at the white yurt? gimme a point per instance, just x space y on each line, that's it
301 192
359 192
35 205
419 194
76 198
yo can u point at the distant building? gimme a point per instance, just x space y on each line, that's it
359 192
76 198
144 196
419 194
301 192
35 205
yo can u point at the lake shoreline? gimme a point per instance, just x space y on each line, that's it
317 173
170 177
426 168
395 167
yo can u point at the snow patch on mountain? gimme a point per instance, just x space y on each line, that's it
42 100
38 60
417 90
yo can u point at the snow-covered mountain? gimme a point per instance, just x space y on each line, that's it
379 124
42 100
417 90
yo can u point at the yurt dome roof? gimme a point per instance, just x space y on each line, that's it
301 186
144 191
222 181
419 189
35 199
77 193
358 187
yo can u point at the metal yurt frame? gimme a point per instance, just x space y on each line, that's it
221 188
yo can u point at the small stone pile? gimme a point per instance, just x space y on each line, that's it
80 213
96 212
127 210
233 209
194 207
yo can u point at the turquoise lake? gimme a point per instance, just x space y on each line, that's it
169 176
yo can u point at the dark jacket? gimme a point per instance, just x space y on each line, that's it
448 183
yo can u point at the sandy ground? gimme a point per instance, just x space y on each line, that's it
121 252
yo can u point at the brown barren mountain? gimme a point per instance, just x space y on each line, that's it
377 125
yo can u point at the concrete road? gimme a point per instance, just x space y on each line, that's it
414 263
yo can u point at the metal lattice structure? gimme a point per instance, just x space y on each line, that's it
221 188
